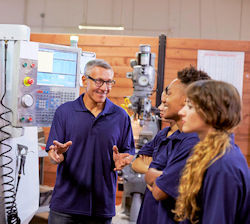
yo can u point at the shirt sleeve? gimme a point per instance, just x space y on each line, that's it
160 158
148 148
169 180
221 196
56 130
128 145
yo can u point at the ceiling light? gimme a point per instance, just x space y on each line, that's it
93 27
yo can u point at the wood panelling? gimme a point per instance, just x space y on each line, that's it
183 52
117 51
180 53
95 40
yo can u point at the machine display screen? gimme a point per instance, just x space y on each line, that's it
57 67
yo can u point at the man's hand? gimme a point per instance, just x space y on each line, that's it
121 159
56 151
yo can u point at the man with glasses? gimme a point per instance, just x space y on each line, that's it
84 140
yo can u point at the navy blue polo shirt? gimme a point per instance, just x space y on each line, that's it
86 182
225 193
149 206
168 153
152 146
174 161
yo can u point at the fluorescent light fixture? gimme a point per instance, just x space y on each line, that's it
93 27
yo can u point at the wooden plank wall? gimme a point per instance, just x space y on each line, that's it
180 53
117 51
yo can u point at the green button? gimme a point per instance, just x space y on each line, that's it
25 65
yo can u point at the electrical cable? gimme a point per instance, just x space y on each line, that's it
10 192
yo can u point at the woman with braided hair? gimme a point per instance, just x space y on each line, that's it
215 182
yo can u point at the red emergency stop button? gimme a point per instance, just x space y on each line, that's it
32 65
30 119
30 81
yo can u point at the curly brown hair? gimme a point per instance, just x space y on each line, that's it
191 74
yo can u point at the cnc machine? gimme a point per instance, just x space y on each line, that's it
143 78
35 79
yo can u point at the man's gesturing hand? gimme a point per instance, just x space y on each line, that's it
121 159
56 151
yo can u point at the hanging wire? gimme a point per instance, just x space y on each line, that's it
9 181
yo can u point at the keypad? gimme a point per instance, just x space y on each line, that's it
48 102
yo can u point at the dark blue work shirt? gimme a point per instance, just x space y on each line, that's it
169 153
225 193
149 206
152 147
174 161
86 182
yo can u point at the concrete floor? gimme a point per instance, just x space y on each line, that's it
120 218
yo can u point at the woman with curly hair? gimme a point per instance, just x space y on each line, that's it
215 183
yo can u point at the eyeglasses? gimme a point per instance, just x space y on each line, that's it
100 82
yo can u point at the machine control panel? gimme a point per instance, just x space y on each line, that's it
46 83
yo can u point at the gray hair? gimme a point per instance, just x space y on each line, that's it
96 63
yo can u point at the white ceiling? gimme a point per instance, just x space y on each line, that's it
205 19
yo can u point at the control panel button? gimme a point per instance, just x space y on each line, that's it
28 81
25 64
30 119
27 100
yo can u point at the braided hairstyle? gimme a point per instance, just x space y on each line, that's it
219 105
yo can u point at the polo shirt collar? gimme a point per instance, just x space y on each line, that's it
178 135
108 108
231 136
79 106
